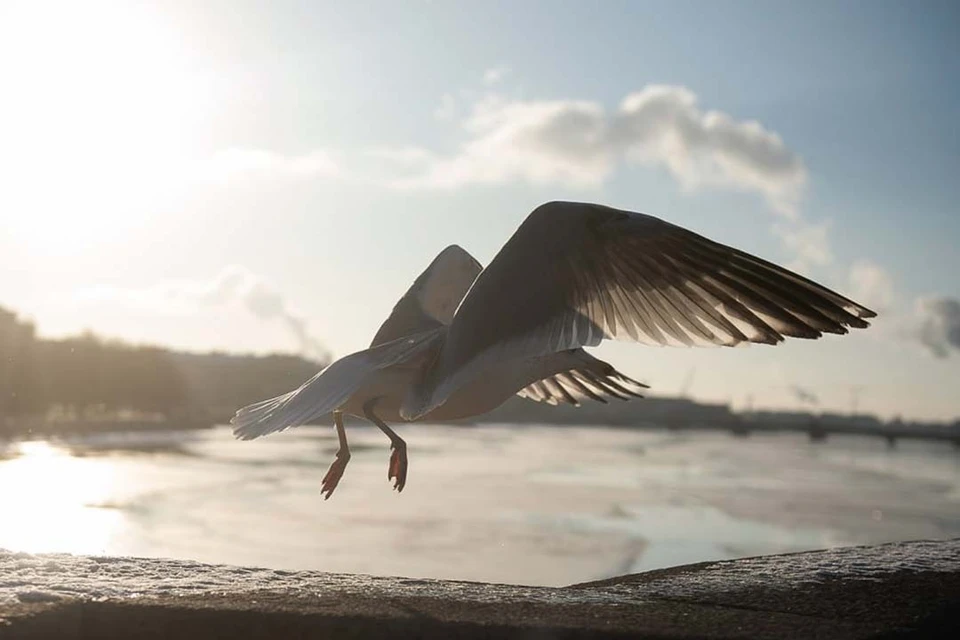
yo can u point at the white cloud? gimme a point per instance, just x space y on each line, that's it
938 325
870 284
573 142
578 142
809 243
662 125
495 75
235 286
540 142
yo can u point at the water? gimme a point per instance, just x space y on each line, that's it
525 505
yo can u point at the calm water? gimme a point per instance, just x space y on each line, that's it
529 505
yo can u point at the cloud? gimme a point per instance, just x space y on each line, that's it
234 286
566 141
579 143
938 325
809 243
662 125
539 142
870 284
576 141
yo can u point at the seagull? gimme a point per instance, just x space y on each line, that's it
464 339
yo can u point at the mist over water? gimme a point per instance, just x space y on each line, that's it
527 505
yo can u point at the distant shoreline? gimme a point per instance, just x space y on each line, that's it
816 428
19 428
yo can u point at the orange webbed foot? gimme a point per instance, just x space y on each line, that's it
334 473
398 465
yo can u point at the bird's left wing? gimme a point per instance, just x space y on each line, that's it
575 274
330 388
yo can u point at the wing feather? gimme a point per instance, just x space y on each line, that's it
591 379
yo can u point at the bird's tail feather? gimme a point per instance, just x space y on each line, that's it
275 414
330 388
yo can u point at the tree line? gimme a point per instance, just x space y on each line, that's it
85 377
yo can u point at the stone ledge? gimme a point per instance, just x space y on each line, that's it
909 589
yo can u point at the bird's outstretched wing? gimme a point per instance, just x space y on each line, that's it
433 297
330 388
593 379
574 274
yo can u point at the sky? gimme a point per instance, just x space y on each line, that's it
271 176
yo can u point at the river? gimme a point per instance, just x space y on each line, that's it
530 505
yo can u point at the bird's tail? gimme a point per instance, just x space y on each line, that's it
329 389
276 414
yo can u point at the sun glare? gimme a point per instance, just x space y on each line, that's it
53 502
101 105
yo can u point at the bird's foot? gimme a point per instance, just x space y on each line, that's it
398 465
334 473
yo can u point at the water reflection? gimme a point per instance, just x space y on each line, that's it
52 501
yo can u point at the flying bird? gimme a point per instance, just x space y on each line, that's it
464 339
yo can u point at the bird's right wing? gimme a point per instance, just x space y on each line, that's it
433 297
330 388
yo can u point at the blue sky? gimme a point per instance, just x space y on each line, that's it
260 176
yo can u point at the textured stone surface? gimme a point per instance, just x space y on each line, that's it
896 590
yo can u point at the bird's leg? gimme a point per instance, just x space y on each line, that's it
335 472
398 459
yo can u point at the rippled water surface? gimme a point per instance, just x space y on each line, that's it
529 505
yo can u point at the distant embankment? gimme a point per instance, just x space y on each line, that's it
901 590
683 414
